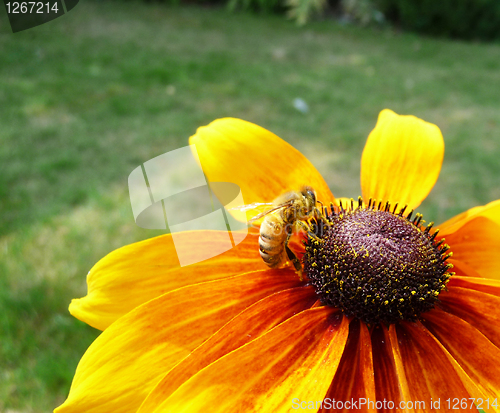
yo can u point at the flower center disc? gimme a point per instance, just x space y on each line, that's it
376 265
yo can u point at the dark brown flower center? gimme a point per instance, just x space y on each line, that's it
376 265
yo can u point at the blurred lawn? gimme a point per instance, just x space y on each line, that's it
90 96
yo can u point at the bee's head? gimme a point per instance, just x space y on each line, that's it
310 195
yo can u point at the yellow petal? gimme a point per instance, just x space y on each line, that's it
125 362
292 363
345 202
401 160
136 273
259 162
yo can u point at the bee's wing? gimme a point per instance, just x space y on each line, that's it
268 208
255 206
275 208
252 209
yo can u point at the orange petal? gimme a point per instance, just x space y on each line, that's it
472 350
126 361
477 301
390 383
485 285
462 269
136 273
293 363
490 211
401 160
246 326
477 244
425 364
354 379
260 163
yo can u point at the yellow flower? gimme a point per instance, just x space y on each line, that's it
230 334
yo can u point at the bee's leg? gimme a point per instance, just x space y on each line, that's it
322 222
292 257
296 262
306 229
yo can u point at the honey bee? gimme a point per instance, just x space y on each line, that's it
287 214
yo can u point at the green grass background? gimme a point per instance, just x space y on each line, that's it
90 96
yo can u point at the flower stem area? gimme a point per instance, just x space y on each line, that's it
90 96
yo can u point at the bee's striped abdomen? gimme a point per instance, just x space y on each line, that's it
271 241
